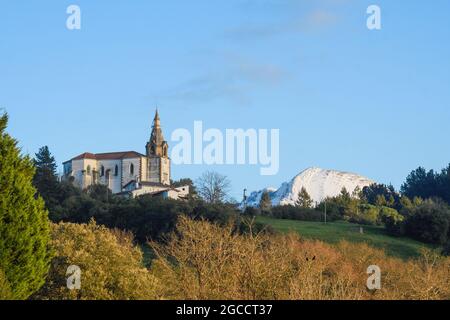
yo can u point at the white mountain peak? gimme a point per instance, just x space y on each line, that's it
319 183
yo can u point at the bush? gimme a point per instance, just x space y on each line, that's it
207 261
429 222
112 267
296 213
368 214
147 217
446 250
392 220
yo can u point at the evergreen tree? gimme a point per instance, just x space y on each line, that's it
24 224
444 184
265 204
304 199
45 178
380 201
421 183
5 291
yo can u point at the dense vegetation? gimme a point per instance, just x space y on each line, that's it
110 263
202 260
24 225
423 219
204 248
206 261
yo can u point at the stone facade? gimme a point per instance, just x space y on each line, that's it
128 173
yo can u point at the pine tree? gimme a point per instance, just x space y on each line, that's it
24 224
381 201
45 178
304 200
265 204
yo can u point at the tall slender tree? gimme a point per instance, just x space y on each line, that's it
24 224
45 179
304 199
265 204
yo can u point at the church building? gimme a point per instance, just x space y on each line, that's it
128 173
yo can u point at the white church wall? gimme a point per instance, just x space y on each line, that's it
89 166
77 172
183 191
147 190
127 176
165 171
144 171
113 182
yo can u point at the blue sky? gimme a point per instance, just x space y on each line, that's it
372 102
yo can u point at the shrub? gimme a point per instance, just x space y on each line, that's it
207 261
429 222
369 215
446 250
296 213
147 217
392 220
112 267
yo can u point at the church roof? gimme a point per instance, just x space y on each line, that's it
109 155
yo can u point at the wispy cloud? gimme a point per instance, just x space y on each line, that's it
238 79
287 17
313 21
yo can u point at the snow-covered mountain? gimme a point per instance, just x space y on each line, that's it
319 184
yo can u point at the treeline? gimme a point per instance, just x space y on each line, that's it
420 211
147 217
45 224
428 184
228 259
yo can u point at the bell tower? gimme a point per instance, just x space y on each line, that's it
157 150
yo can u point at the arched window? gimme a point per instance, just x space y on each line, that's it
116 170
88 170
131 169
102 171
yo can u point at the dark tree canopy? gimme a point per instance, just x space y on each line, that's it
428 184
45 179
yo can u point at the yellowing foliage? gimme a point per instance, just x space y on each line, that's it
206 261
111 265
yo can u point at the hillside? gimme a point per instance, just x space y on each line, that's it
334 232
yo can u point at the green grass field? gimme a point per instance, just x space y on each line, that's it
334 232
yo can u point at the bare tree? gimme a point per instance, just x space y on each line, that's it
213 187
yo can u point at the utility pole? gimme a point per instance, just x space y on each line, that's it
325 211
245 200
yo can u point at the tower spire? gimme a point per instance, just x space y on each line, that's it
157 146
156 120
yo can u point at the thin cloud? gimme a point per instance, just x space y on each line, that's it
236 83
314 21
